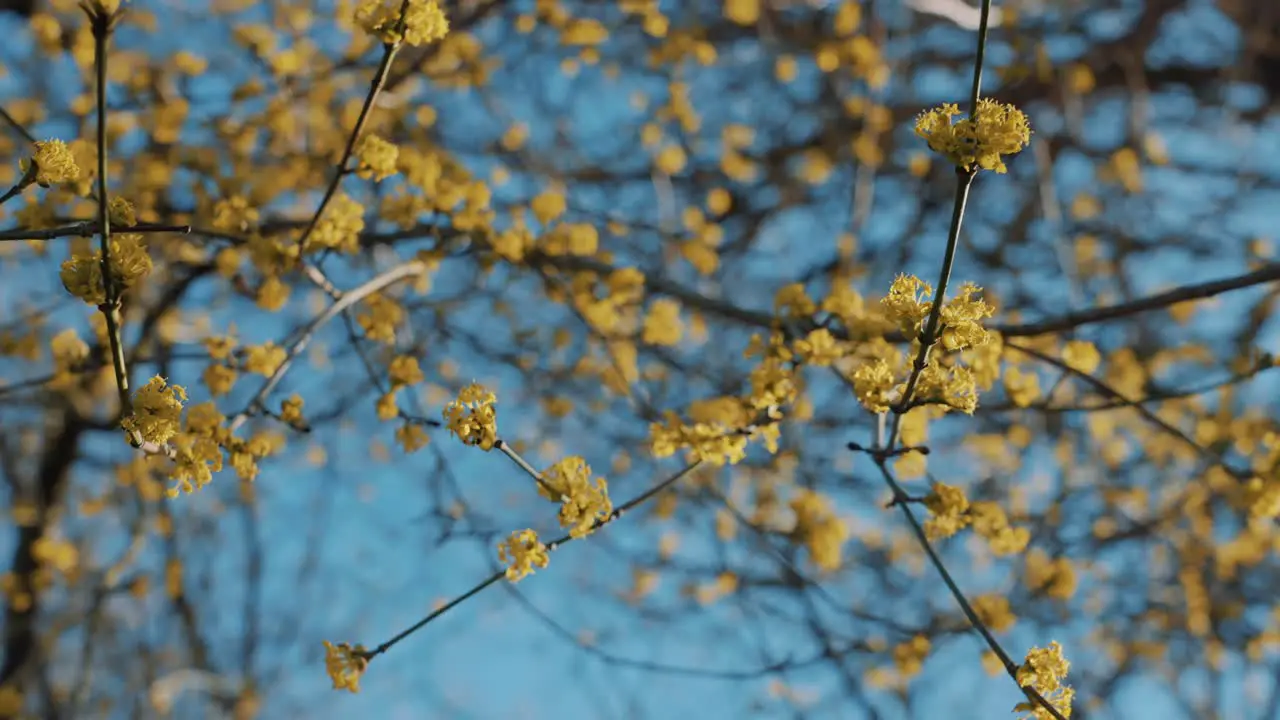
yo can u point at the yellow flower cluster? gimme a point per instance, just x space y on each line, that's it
819 529
910 299
198 449
234 214
472 417
909 656
52 163
881 379
582 504
1044 670
377 157
997 130
69 352
662 324
157 410
521 553
379 317
951 512
423 21
81 273
340 226
345 664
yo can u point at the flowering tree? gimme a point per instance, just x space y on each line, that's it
817 358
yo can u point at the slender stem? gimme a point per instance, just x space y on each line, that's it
389 51
110 308
964 181
344 302
17 126
551 547
87 229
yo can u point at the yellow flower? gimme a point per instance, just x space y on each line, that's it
819 348
264 359
907 303
411 437
662 324
548 206
340 226
424 21
872 384
948 506
1082 355
291 411
345 664
472 417
219 378
583 504
1044 670
997 130
404 371
53 163
379 317
521 553
377 157
234 214
819 529
157 410
82 277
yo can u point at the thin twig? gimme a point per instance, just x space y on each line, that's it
346 300
101 24
87 228
551 547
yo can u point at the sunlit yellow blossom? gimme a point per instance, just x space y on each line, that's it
379 316
377 157
662 325
339 227
1045 669
1082 355
234 214
819 529
907 303
583 503
53 163
411 437
157 410
819 348
548 206
345 664
872 384
521 553
997 130
424 21
264 359
947 506
219 378
291 411
472 417
404 371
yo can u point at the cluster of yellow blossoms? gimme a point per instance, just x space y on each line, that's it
157 411
819 529
522 552
52 162
472 418
996 130
951 512
422 21
345 664
583 504
82 272
1044 670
